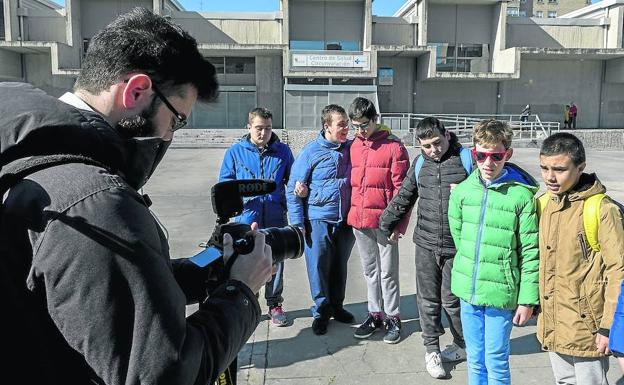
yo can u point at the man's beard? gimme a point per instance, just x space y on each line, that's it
138 126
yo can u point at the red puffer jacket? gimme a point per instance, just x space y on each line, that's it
378 166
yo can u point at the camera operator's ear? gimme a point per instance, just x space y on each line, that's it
137 92
228 247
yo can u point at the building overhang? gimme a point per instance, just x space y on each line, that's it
399 50
30 47
571 53
224 49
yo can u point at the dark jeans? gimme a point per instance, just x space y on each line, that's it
273 290
572 122
327 251
433 293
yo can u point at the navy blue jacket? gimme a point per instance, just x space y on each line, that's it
245 161
326 168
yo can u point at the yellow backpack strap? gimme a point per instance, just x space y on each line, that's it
591 219
542 201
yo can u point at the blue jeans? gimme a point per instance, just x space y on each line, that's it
486 332
273 290
327 251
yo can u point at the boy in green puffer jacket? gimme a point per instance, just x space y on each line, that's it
493 222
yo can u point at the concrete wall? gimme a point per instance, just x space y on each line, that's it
269 91
528 33
39 74
615 71
96 14
230 31
561 6
460 23
548 85
394 31
612 105
455 97
10 66
399 96
45 26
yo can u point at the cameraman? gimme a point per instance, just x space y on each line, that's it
89 293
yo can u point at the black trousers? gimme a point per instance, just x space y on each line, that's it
433 286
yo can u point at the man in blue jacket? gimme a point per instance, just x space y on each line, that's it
261 155
325 168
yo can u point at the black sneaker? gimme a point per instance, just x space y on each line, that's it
393 330
319 326
341 315
368 327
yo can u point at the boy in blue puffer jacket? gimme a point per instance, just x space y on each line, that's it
616 339
261 155
324 167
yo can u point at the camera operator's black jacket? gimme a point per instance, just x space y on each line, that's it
89 294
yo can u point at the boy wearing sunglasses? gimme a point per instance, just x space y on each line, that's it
493 221
581 265
443 163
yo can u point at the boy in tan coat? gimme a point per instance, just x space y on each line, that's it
578 285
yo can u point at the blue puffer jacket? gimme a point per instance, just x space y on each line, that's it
326 168
244 161
616 334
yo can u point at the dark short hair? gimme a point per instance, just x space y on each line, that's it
362 108
326 115
140 41
259 112
430 127
564 143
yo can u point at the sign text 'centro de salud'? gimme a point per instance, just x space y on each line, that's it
324 60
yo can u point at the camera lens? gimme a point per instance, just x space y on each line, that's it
286 242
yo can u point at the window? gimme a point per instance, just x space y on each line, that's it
473 58
523 13
319 45
552 1
218 62
513 12
233 65
552 14
539 14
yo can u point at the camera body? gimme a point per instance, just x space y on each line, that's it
227 202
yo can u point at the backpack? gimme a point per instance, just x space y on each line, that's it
591 216
464 155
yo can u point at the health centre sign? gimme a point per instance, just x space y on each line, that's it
330 60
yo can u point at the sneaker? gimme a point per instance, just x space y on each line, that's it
319 326
368 327
434 365
453 353
341 315
393 330
278 317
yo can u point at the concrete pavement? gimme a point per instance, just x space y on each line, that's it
180 190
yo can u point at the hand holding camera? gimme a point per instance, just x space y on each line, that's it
253 269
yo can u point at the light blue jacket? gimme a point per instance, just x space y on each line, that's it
326 168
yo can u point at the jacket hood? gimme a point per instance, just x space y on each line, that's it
587 186
246 142
55 127
516 175
326 143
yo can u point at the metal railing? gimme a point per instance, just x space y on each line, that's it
463 124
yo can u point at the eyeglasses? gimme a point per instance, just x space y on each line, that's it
179 119
359 127
481 156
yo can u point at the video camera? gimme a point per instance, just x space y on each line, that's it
227 202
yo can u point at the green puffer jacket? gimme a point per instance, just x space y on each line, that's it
495 232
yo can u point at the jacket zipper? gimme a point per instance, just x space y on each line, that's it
478 245
441 225
261 153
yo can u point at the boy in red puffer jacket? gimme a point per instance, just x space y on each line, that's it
379 162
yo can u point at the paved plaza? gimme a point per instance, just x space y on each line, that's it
180 190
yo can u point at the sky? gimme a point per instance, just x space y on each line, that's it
380 7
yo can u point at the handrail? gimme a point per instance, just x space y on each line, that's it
463 124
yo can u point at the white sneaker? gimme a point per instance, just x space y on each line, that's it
453 353
434 365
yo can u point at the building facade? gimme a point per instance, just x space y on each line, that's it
431 57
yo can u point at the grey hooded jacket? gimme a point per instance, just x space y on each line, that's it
89 294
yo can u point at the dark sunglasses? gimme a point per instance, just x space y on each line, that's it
360 127
179 119
481 156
